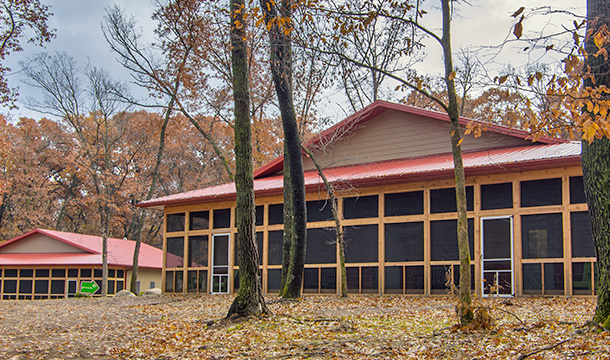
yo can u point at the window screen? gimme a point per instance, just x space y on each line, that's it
41 286
443 200
198 251
553 279
394 279
361 207
58 286
361 244
444 240
169 281
191 281
175 252
581 278
274 278
321 247
497 196
577 190
541 192
414 279
13 273
328 279
320 210
369 278
10 286
404 241
199 220
276 247
56 272
542 236
260 215
407 203
175 222
29 273
276 214
582 238
73 273
222 218
310 280
42 272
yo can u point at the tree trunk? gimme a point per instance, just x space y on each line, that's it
595 160
249 300
464 311
295 218
338 230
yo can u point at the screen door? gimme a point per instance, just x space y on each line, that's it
220 263
497 256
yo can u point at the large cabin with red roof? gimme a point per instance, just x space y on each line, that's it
47 264
392 168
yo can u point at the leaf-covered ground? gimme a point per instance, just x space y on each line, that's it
318 327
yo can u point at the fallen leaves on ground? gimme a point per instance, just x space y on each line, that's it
317 327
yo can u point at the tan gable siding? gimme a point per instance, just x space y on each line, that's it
397 135
39 243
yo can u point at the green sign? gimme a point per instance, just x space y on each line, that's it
89 287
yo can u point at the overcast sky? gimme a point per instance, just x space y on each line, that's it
486 22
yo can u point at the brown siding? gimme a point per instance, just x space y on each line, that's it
39 243
396 135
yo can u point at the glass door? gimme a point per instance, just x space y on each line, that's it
497 256
220 263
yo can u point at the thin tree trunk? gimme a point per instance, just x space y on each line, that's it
464 311
595 160
295 217
338 230
249 300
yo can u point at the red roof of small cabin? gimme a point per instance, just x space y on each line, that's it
545 152
120 252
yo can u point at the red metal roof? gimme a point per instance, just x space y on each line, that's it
391 171
379 106
120 252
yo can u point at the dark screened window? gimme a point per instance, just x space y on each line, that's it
553 279
42 272
444 240
407 203
260 215
542 236
10 273
97 273
178 281
328 279
369 278
175 252
274 278
58 286
10 286
41 286
169 281
353 278
26 273
111 273
582 238
361 243
321 248
25 286
319 210
532 278
276 247
175 222
577 190
361 207
58 272
119 273
85 273
496 196
111 286
198 251
73 273
581 278
404 242
394 279
222 218
310 280
414 280
443 200
191 281
541 192
276 214
199 220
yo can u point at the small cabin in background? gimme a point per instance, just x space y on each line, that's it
392 165
47 264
